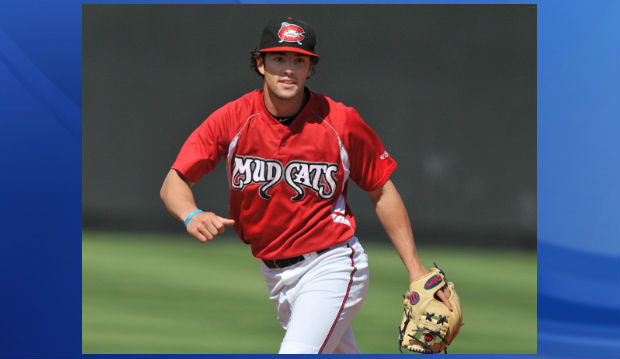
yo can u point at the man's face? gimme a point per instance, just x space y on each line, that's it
285 73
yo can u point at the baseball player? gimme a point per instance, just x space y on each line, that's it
289 154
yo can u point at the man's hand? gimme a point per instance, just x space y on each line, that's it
444 294
204 226
432 314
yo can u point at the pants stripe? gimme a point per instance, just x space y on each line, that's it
346 296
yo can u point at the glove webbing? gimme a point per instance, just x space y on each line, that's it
428 347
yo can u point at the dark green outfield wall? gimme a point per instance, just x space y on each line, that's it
450 89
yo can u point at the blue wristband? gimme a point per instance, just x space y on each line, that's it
192 215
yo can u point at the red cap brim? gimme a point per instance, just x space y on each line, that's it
289 49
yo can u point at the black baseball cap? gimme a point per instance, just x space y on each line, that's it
288 34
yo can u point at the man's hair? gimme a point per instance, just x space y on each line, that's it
254 55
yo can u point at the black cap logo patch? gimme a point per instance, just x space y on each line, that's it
290 33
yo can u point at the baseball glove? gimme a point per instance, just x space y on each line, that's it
428 326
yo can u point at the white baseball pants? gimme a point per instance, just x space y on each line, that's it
317 298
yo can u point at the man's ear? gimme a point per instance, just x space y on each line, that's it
260 65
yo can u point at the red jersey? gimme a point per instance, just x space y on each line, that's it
288 183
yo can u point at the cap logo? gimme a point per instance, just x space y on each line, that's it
291 33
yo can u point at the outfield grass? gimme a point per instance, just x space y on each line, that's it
171 294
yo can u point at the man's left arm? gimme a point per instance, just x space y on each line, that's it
393 216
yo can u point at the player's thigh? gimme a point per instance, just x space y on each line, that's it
325 305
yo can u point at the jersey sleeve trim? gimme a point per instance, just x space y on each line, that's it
184 175
385 178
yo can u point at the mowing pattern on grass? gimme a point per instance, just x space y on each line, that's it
149 294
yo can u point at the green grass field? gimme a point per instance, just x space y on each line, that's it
165 294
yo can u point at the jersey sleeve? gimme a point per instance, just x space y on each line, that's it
203 149
370 164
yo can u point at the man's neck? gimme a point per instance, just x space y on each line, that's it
284 107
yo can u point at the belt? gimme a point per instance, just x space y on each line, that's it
286 262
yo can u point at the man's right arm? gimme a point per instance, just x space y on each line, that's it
176 192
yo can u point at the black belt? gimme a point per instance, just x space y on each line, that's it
283 263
